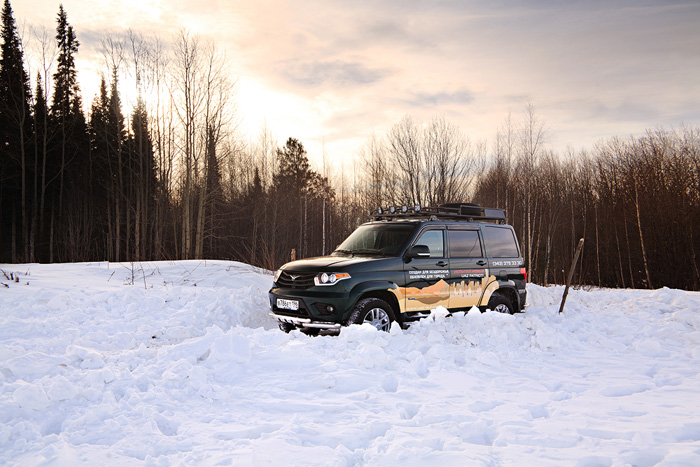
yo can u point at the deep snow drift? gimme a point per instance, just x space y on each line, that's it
177 362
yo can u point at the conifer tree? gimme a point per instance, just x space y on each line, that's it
291 184
40 148
15 134
65 105
101 177
116 136
144 180
65 78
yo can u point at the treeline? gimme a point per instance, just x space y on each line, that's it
171 179
635 201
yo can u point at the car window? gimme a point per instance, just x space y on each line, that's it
501 243
464 244
433 239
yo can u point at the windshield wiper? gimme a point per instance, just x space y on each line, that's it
345 252
368 251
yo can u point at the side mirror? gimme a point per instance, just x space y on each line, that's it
419 251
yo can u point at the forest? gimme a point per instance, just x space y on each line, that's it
171 177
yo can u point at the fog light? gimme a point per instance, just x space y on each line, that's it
324 308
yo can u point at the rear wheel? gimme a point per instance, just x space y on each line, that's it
500 304
374 311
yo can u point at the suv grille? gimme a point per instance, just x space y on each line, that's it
296 280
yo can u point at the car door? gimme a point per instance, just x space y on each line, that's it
426 277
505 260
468 267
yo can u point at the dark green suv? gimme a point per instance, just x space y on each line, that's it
401 265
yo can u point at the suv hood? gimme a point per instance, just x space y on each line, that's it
329 263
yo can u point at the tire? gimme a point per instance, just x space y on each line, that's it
500 304
286 327
374 311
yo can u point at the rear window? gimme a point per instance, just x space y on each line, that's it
465 244
501 243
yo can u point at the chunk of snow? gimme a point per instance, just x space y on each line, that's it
110 374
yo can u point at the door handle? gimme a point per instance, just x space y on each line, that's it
481 262
442 264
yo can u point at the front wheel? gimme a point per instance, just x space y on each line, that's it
374 311
500 304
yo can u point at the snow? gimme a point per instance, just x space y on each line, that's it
178 363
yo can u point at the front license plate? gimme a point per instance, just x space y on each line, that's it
287 304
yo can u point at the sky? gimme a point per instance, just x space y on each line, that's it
333 73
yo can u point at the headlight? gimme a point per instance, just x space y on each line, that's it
277 275
329 279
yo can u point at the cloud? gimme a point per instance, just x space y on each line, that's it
335 73
333 70
442 98
389 34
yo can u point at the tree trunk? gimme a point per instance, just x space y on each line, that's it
201 215
629 251
597 245
692 257
25 224
619 256
641 236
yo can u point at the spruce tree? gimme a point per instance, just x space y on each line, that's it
65 78
291 183
69 155
40 148
144 182
294 169
101 178
15 136
120 169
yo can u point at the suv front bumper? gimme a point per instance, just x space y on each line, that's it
312 308
305 322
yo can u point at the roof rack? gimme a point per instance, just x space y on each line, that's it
451 211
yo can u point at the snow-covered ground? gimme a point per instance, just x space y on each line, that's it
178 363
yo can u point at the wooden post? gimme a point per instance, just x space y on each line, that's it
571 274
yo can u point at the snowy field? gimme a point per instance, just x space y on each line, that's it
173 363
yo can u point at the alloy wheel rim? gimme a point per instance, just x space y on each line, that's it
501 308
377 318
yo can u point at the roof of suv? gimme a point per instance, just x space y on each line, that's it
455 212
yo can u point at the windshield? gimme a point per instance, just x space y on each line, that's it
378 239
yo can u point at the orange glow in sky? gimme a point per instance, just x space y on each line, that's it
331 73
